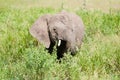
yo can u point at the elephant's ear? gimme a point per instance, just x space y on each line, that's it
39 30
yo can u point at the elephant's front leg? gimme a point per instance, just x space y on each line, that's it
50 49
71 47
61 49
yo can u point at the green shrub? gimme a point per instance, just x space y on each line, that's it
23 58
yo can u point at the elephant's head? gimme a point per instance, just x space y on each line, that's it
64 28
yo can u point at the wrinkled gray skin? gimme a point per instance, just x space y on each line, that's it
64 26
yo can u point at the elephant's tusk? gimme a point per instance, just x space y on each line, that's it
59 42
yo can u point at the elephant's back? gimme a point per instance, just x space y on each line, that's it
78 28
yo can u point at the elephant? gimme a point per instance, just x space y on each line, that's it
64 30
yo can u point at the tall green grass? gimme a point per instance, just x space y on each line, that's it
23 58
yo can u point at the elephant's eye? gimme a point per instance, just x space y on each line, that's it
54 29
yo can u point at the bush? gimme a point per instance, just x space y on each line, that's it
23 58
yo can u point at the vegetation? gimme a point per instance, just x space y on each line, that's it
23 58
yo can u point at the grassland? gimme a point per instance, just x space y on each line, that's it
73 5
22 58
